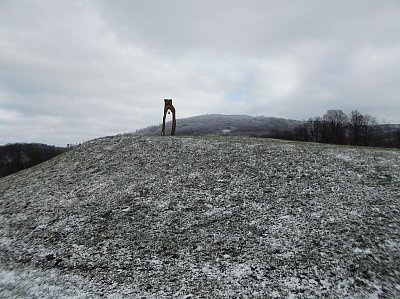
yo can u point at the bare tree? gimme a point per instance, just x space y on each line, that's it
355 124
368 128
336 121
337 128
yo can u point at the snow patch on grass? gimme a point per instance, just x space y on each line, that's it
207 217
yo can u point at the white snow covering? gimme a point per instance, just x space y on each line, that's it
206 217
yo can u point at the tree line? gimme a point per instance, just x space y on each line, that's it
19 156
336 127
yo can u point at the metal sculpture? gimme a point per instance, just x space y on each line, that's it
168 107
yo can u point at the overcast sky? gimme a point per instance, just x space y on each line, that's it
74 70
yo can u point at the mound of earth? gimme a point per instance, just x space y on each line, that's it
216 217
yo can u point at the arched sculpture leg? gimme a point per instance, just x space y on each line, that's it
168 106
173 121
163 122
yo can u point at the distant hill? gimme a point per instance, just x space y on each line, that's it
233 125
19 156
382 135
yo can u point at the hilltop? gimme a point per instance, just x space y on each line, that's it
203 217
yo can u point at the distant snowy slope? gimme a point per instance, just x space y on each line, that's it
203 217
218 124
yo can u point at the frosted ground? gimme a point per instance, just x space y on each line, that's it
179 217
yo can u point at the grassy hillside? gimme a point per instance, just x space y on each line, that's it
216 217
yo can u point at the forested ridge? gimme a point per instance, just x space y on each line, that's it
19 156
336 127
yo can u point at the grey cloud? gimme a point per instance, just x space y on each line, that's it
81 69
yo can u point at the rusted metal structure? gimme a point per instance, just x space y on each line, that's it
168 107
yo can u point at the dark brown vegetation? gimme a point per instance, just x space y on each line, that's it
336 127
19 156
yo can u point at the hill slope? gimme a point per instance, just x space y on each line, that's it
173 217
233 125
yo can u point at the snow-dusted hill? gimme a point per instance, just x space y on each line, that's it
216 217
232 125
